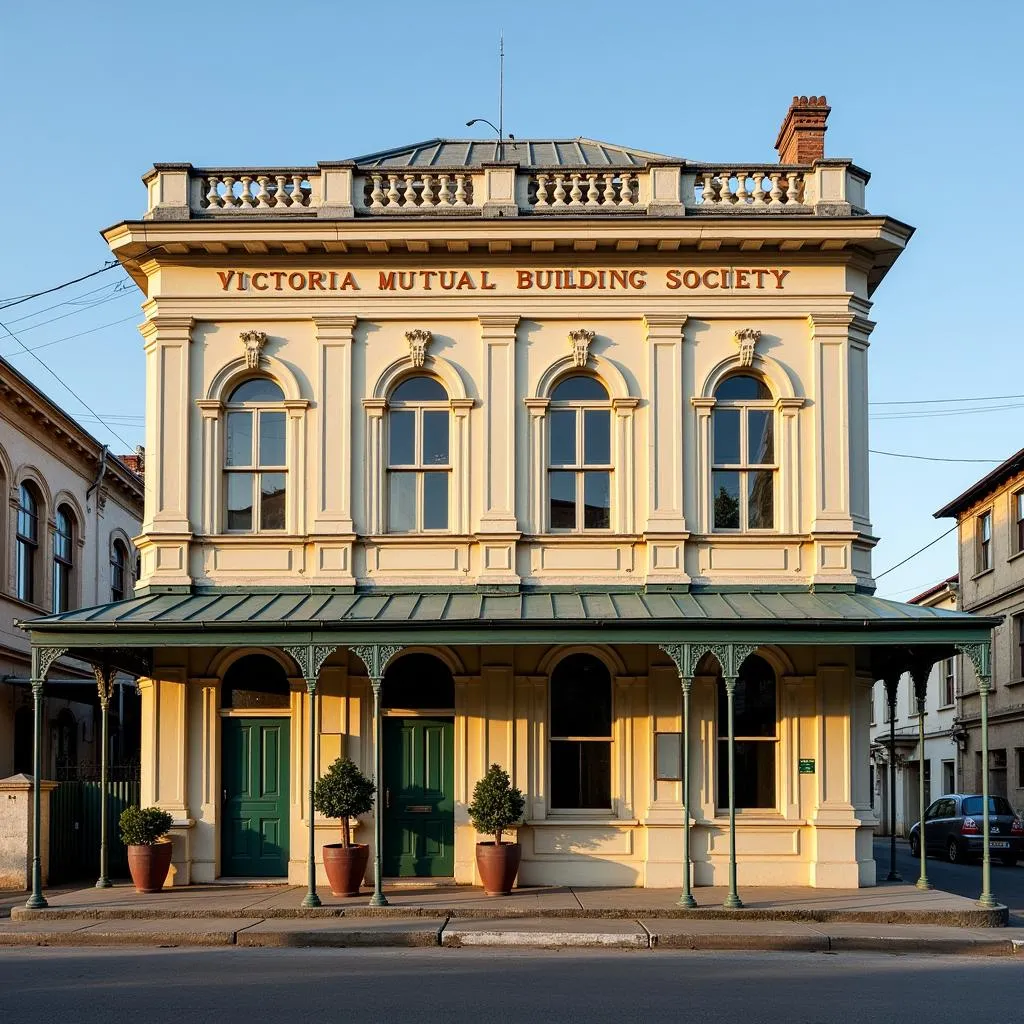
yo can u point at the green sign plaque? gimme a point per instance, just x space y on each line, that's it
806 765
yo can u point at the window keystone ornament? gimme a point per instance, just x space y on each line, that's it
746 339
419 340
253 342
579 342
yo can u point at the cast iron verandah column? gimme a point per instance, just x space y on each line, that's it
310 658
919 674
105 687
980 655
376 658
42 659
892 682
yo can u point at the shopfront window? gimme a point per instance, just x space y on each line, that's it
756 737
581 734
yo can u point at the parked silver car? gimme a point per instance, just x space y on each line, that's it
953 826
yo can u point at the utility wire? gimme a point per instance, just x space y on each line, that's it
940 401
68 337
917 552
926 458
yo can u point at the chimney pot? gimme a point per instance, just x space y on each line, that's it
801 138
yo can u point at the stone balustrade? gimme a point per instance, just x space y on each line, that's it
343 190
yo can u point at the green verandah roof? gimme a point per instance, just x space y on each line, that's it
465 616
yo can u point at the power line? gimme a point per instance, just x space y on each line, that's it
925 414
917 552
69 337
940 401
66 302
74 312
926 458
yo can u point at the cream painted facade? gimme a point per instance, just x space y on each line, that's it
665 284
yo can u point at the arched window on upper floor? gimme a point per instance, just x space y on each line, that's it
255 457
744 467
64 537
30 510
118 570
580 456
418 456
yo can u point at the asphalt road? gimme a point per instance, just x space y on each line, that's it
963 879
227 985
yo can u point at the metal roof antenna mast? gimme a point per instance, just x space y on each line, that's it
500 126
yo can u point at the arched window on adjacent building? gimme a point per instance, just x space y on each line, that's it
579 456
27 545
255 457
118 570
756 732
63 559
743 455
581 734
419 460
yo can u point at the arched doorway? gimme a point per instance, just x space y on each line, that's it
418 702
255 709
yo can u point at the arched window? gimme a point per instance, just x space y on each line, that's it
743 455
420 681
419 462
756 731
118 570
255 681
63 559
255 457
27 544
580 456
581 734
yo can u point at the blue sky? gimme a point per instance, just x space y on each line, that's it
922 96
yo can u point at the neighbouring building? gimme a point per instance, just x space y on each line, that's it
462 453
990 529
68 519
941 732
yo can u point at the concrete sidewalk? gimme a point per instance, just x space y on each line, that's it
893 918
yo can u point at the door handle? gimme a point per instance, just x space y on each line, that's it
225 794
387 798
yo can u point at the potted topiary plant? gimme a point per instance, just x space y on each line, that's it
144 831
343 791
497 805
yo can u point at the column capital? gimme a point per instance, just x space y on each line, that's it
310 659
334 328
210 408
376 658
164 327
665 326
498 327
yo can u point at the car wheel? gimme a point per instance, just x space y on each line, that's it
1010 862
915 845
953 852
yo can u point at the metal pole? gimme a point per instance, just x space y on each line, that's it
891 683
378 899
986 899
732 900
37 901
311 899
686 900
501 97
922 879
103 679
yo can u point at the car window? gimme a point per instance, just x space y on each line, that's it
996 805
935 811
947 809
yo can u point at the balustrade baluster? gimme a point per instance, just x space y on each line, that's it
229 191
409 197
376 192
592 194
559 190
742 195
393 195
792 188
298 196
776 195
542 191
576 193
262 198
281 190
460 190
760 195
707 195
626 196
725 193
609 190
213 199
444 194
246 198
427 197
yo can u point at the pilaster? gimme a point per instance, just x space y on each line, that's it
498 514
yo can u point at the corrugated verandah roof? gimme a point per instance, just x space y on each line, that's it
471 616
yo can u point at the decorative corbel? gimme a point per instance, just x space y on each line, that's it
746 339
253 342
579 342
419 341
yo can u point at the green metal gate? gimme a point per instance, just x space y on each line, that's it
75 824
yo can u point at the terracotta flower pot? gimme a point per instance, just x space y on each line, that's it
345 867
149 865
498 865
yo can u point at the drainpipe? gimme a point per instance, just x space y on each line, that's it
95 487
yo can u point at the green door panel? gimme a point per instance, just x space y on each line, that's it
419 803
254 816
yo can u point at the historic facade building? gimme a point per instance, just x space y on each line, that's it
69 513
990 528
555 458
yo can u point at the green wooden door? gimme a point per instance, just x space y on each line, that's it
254 773
419 804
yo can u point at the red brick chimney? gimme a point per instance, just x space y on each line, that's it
802 135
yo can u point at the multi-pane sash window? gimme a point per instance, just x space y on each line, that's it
984 541
27 544
1018 628
255 457
419 460
580 456
1018 521
63 559
948 681
755 736
743 455
118 568
581 734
